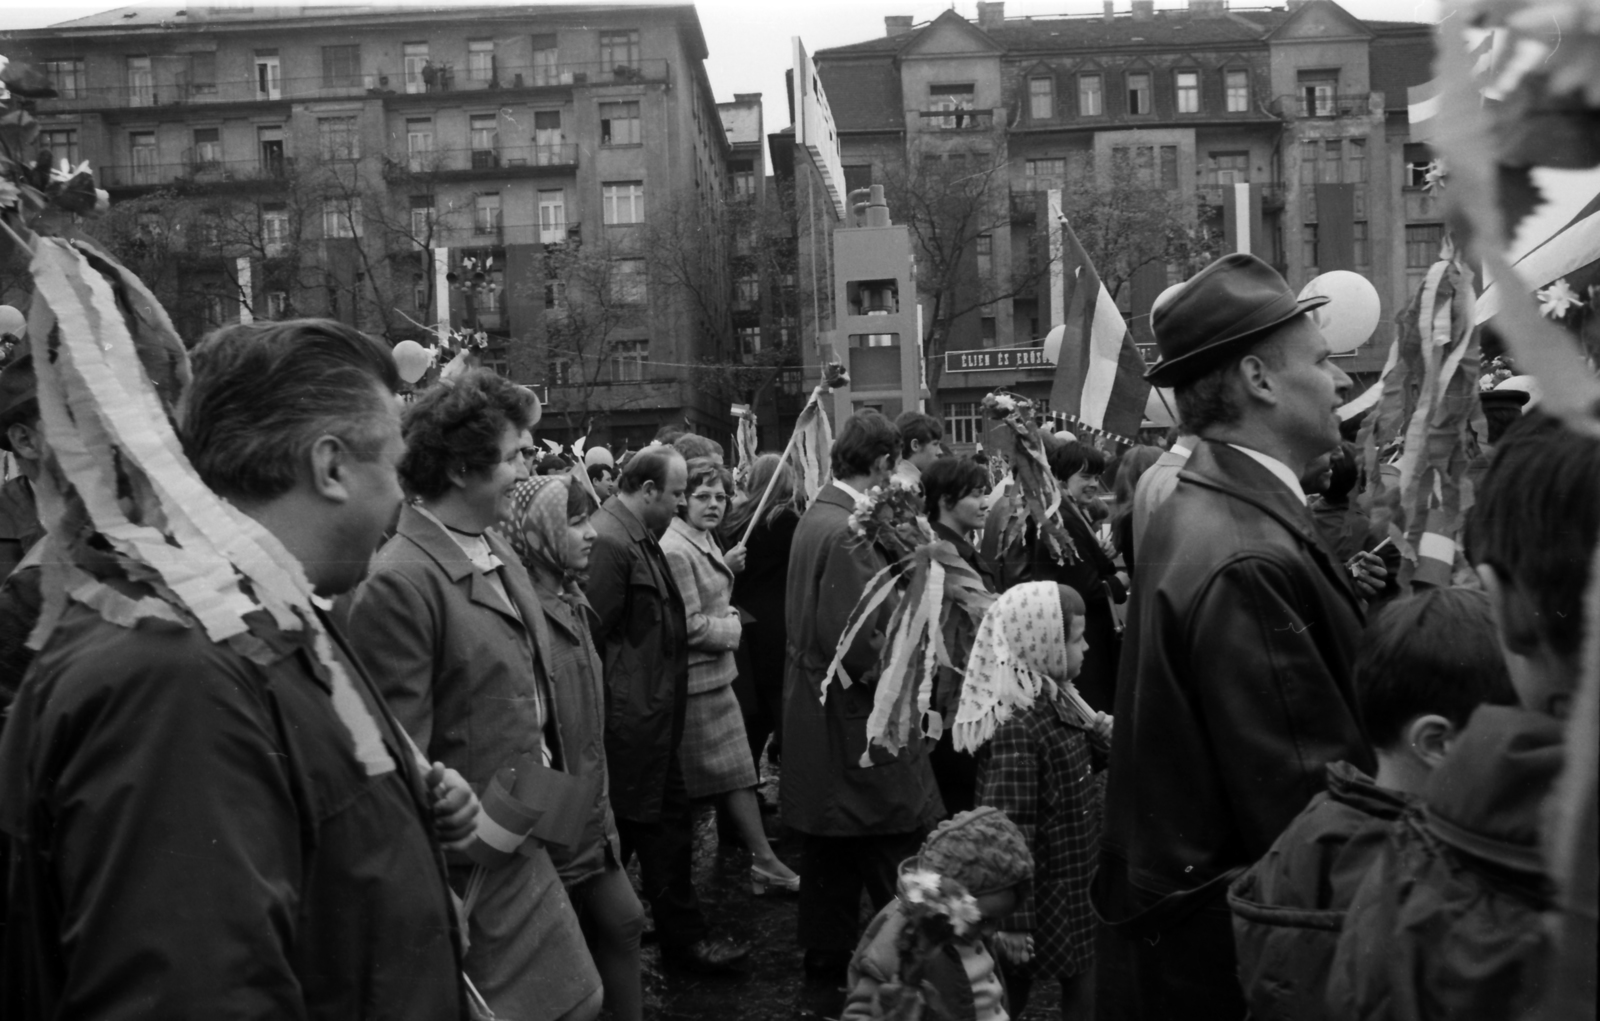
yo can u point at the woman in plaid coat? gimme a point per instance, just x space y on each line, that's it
715 753
1041 752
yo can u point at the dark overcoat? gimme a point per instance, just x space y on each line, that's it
641 634
1235 689
825 789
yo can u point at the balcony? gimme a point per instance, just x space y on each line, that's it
180 91
467 164
219 173
1300 107
1272 193
957 120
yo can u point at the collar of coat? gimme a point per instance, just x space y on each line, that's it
832 494
433 540
1218 467
702 541
630 521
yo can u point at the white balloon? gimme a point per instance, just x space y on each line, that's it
13 321
1347 321
1166 296
1052 343
412 359
1160 408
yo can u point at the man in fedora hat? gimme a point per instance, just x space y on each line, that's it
1234 691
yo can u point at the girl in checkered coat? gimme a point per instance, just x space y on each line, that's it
1041 752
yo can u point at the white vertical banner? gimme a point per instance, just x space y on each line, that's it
441 293
1058 270
1241 217
246 289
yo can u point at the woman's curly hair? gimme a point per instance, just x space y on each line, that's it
456 426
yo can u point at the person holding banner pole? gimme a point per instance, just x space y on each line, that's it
449 624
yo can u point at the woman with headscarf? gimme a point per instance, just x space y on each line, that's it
548 527
715 752
1041 752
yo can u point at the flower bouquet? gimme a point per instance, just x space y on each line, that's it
939 912
1035 496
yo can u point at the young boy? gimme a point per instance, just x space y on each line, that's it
1449 922
984 852
1427 663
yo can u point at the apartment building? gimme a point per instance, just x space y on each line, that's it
505 172
1304 105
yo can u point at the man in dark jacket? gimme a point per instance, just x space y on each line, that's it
1234 693
858 822
641 632
196 831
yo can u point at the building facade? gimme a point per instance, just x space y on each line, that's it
1304 105
515 175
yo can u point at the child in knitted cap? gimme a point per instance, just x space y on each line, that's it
1041 752
986 854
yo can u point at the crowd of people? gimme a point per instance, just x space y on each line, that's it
1221 765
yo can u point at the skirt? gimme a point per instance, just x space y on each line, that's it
526 953
715 752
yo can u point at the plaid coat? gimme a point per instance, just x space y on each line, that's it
1044 773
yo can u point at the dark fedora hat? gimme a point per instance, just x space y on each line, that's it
1234 299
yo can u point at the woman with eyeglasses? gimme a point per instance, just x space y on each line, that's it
716 752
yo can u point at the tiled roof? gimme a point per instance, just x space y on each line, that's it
863 94
141 14
1398 64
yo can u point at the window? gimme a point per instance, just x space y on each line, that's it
552 217
1308 246
619 123
548 149
62 143
1363 251
749 342
1423 241
962 422
1418 159
546 68
338 138
480 60
485 134
985 247
66 76
203 73
1237 86
207 146
269 80
1044 173
619 49
857 177
1169 166
341 66
1091 95
628 282
141 82
422 218
269 138
1355 161
486 213
277 304
341 219
419 143
986 330
951 97
1230 168
215 309
742 177
142 150
1041 98
1147 164
555 295
416 58
1138 93
1318 93
1188 88
623 202
627 360
747 290
1309 153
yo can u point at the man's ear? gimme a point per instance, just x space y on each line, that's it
24 439
1514 617
1253 373
330 462
1430 736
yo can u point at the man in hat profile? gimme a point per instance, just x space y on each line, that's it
1234 691
19 436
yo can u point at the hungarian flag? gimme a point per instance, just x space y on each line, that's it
1099 372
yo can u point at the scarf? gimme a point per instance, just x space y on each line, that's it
1020 651
537 530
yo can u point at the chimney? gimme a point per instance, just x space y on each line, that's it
877 208
1144 10
896 24
991 15
1208 8
747 98
1110 12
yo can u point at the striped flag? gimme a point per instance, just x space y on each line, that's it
1571 253
1241 216
1099 372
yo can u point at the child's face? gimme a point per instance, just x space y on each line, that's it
994 907
1076 647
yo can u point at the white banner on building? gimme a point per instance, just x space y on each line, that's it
246 289
441 293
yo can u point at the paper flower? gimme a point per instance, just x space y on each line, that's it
66 171
1558 299
5 93
9 194
1433 181
921 886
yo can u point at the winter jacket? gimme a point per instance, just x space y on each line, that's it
706 584
1234 692
877 961
1289 908
1448 923
640 632
825 789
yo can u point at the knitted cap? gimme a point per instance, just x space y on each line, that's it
981 849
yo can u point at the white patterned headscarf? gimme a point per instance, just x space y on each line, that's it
1020 651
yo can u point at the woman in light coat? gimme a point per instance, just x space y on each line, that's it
715 753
